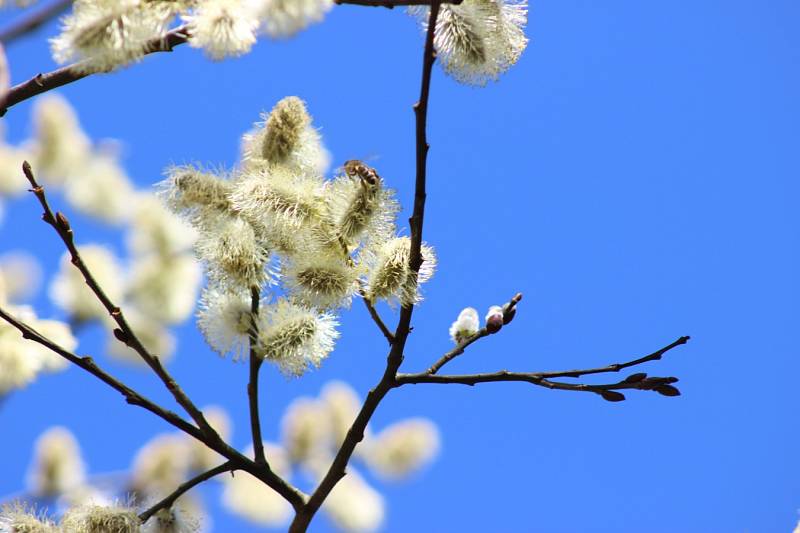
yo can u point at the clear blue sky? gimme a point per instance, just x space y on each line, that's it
635 176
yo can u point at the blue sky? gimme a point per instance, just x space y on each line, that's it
635 176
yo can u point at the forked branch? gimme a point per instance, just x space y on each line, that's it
88 364
212 441
236 459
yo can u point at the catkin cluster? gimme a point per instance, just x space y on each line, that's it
476 40
276 236
105 34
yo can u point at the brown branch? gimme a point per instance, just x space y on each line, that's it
87 363
205 433
252 386
638 381
42 83
508 314
184 487
31 21
262 472
356 432
377 319
123 333
616 367
363 293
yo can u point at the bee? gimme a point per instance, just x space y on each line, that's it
356 168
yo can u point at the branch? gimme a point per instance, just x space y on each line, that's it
167 502
42 83
33 20
87 363
391 4
356 432
252 386
638 381
509 310
377 319
123 333
262 472
616 367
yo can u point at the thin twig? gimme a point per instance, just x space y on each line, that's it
616 367
123 333
184 487
377 319
252 386
42 83
356 432
32 20
508 314
363 293
639 381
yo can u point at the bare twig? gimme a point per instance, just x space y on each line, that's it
508 313
639 381
167 502
252 386
377 319
356 432
363 293
123 333
32 20
616 367
42 83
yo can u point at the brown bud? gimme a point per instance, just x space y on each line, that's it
494 323
612 396
26 169
62 221
121 336
668 390
508 313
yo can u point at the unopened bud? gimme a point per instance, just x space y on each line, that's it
508 313
494 319
26 169
510 309
62 221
